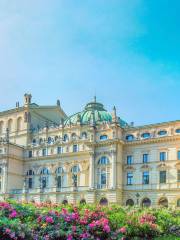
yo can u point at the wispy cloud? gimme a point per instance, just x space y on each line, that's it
72 49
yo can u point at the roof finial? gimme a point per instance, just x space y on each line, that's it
95 98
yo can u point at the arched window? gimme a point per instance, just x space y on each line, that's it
50 140
75 170
19 123
65 138
73 136
178 130
10 125
83 201
60 175
30 172
178 202
162 133
103 160
40 141
34 141
1 127
146 202
103 202
129 138
103 137
56 138
30 178
65 202
84 135
103 172
145 135
44 178
129 202
163 202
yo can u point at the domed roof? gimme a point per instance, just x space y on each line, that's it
93 113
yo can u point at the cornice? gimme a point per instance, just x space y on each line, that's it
56 144
105 143
153 140
11 156
58 156
148 126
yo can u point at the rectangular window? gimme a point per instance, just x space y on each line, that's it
75 148
59 181
129 160
162 177
178 155
103 178
30 183
44 152
145 158
129 178
59 150
163 156
178 175
145 177
30 154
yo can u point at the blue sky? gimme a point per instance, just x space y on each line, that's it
127 52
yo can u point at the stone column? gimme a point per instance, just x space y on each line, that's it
114 174
4 178
91 170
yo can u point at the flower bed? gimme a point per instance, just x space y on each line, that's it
52 221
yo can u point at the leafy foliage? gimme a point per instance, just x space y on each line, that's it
46 221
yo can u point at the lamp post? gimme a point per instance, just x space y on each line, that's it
137 196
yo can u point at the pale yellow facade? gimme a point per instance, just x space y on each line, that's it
92 156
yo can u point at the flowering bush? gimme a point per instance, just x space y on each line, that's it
53 221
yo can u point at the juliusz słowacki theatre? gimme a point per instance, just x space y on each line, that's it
92 156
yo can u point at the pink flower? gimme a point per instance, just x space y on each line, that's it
73 228
39 219
49 220
92 225
84 235
13 214
147 218
12 235
122 230
106 228
69 237
47 237
75 216
7 230
67 219
64 211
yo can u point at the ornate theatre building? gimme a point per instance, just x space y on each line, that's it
92 156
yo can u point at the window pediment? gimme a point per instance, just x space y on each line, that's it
162 166
145 167
177 165
130 168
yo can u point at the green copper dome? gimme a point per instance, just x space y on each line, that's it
93 113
